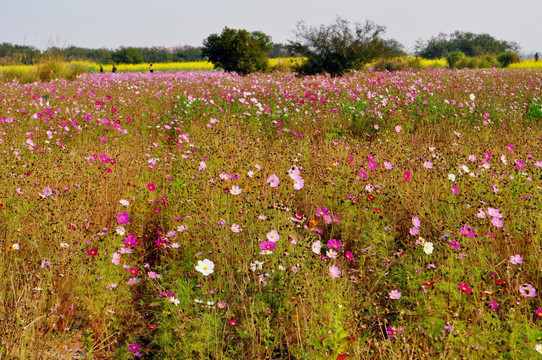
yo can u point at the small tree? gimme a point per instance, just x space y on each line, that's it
337 48
238 50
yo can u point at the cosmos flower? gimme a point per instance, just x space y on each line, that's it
527 290
465 288
428 248
273 236
123 218
334 272
273 180
395 294
206 267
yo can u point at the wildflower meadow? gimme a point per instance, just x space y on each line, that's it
205 215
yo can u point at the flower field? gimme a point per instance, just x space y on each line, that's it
203 215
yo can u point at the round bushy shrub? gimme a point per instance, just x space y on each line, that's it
454 57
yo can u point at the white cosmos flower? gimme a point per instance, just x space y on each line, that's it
235 190
206 267
428 248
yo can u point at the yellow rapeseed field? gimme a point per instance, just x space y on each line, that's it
205 65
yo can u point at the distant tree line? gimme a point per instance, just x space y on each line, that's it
28 55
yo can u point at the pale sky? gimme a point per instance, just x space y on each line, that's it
115 23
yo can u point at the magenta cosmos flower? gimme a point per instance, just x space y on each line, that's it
334 244
267 245
465 288
123 218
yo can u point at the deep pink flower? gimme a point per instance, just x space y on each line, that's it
465 288
123 218
494 305
151 186
454 244
407 176
131 240
334 244
92 252
134 347
267 245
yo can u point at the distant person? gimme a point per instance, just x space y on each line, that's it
151 69
101 69
536 57
114 69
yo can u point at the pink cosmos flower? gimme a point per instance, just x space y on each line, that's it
527 290
151 186
273 180
516 259
273 236
334 272
407 176
497 222
416 221
428 165
299 183
46 192
395 294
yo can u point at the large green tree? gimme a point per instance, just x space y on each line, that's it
336 48
238 50
468 43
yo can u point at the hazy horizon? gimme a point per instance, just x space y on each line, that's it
167 23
